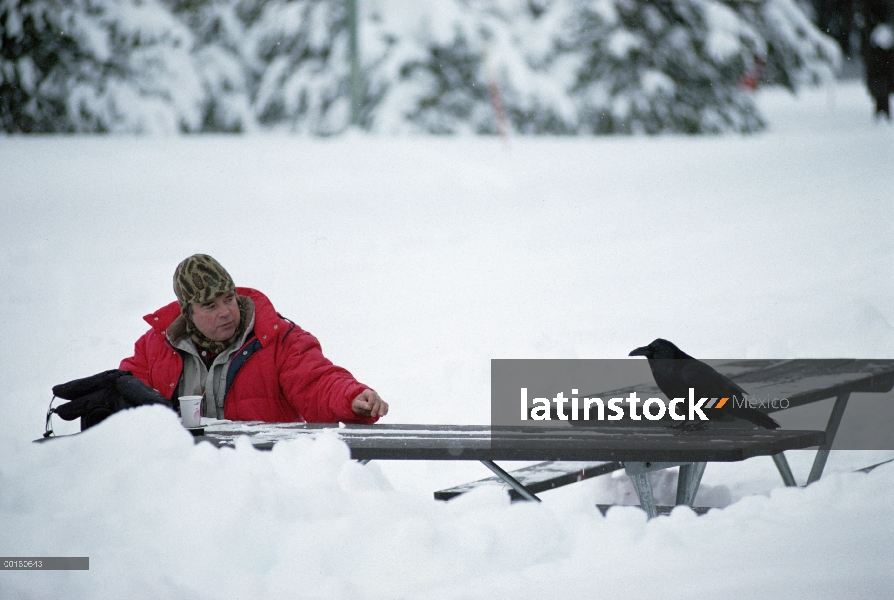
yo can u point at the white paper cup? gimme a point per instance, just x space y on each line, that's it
191 411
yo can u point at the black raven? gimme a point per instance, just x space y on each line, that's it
675 377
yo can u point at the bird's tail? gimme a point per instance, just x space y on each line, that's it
762 419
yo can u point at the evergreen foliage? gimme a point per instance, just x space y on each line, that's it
33 90
797 53
441 77
663 65
559 66
453 94
85 65
302 72
220 61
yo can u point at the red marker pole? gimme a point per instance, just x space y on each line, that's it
496 101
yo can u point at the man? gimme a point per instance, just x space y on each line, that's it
877 45
250 364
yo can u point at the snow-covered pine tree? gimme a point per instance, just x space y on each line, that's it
445 57
561 66
798 53
33 87
537 81
95 66
220 59
442 83
300 68
148 81
663 66
590 66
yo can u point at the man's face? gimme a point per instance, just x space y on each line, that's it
217 319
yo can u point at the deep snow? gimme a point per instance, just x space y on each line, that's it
415 260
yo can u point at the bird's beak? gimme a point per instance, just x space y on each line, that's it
644 351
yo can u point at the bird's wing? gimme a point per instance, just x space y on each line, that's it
708 382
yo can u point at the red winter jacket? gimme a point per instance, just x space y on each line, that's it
279 375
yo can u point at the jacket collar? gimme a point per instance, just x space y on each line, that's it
268 323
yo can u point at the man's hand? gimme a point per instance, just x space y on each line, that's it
368 404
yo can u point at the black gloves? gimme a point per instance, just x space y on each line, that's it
96 397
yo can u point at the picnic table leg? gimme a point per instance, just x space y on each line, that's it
643 486
784 470
639 475
822 454
512 481
688 481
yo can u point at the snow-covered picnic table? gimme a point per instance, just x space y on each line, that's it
575 453
799 382
639 449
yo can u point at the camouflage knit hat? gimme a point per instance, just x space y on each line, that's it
200 279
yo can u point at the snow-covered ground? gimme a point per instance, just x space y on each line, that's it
415 260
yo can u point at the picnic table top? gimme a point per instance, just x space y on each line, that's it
481 442
801 381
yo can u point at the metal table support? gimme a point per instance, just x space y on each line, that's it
785 470
639 475
502 474
688 481
822 454
643 486
512 481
